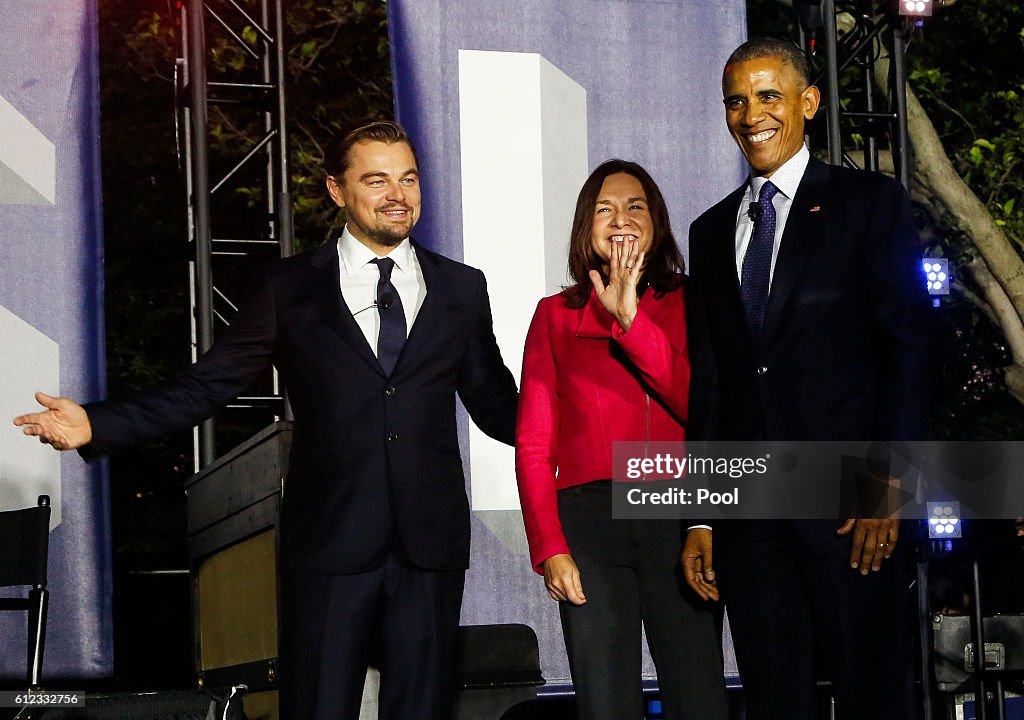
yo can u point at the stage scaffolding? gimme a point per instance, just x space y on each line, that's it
872 30
245 84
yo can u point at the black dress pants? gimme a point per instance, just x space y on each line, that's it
402 619
798 612
631 573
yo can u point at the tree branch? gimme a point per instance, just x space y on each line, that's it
963 207
1002 308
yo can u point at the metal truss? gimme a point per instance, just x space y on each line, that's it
232 62
877 30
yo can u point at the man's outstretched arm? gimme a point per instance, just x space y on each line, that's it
231 365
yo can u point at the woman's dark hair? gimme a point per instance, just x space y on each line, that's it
664 261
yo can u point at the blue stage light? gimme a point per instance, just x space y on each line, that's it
944 520
936 273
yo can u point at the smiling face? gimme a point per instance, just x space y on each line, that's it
766 108
620 214
380 192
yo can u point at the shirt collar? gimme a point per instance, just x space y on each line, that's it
354 255
787 177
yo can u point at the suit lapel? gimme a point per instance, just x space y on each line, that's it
722 257
333 308
805 226
428 319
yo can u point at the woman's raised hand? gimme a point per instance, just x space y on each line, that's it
619 296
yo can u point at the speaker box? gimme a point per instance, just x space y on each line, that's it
233 512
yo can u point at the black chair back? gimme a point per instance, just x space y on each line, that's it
24 547
24 539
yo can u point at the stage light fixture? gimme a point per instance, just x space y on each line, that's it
916 8
936 275
944 520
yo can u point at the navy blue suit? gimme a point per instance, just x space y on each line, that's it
375 482
842 357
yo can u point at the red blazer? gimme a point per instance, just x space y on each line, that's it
583 387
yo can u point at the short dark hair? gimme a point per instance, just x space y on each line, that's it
338 156
664 261
765 47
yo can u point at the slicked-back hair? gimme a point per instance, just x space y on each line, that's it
339 152
664 261
768 47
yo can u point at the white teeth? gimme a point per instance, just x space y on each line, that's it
761 136
622 238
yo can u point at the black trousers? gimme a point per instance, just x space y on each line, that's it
798 612
402 619
631 573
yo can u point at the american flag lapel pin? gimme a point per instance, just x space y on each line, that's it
816 208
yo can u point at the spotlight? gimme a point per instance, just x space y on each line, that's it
916 8
936 275
944 520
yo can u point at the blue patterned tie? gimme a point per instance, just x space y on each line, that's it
392 317
757 263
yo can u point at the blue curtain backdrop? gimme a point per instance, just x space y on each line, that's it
51 313
651 73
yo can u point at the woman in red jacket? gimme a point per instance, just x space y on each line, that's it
605 361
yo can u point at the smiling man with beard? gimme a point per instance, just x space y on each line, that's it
806 318
374 337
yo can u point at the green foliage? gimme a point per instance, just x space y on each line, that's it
966 69
340 72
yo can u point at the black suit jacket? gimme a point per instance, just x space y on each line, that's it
843 354
372 455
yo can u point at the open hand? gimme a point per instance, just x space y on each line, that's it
624 269
874 539
64 424
873 542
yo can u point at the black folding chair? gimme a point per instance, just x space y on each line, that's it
24 544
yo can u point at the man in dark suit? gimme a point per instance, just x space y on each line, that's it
374 517
806 320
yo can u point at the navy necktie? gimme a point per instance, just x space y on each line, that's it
757 263
392 317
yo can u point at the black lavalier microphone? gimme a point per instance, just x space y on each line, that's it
386 301
755 211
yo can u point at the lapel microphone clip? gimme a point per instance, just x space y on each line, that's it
755 211
386 301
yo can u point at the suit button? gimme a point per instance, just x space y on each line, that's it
392 437
762 370
389 391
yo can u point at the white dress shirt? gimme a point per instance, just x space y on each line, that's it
786 179
358 281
